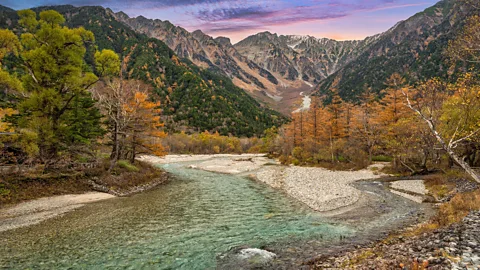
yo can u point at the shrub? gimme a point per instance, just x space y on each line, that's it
458 208
381 158
295 162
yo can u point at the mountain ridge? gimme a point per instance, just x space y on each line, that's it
413 47
276 68
205 52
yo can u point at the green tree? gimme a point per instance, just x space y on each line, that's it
9 44
58 107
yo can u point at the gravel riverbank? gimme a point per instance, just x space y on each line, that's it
321 189
36 211
454 247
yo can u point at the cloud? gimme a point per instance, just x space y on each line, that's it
235 16
252 12
232 17
113 3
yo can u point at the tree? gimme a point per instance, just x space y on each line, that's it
133 121
143 129
466 47
392 105
269 140
429 101
366 126
9 44
393 116
112 98
5 126
460 119
56 84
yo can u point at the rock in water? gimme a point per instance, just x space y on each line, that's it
256 254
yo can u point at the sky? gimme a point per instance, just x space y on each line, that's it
237 19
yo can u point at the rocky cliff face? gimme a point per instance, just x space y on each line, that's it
204 51
301 57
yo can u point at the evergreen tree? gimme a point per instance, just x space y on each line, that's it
58 108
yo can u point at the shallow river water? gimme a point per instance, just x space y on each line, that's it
185 224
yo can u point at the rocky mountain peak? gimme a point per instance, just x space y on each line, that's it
224 41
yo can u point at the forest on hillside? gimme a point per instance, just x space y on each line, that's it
192 99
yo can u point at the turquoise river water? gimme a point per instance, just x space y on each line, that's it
185 224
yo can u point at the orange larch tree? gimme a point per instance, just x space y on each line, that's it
143 131
366 126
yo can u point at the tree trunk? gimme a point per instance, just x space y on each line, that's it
116 148
464 165
453 155
132 160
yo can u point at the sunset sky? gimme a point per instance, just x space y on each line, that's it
337 19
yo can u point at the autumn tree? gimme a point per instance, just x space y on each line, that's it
133 121
143 128
466 47
9 44
6 127
451 120
366 126
270 140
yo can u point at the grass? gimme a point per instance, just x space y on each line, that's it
439 186
360 258
17 187
458 208
127 165
126 175
453 211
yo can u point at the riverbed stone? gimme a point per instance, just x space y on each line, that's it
253 252
445 248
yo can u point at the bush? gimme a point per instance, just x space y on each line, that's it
128 166
285 160
295 162
382 158
458 208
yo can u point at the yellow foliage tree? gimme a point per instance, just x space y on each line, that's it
4 126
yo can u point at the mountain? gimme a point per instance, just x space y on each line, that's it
414 47
303 58
193 99
217 55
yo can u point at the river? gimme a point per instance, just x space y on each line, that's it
188 223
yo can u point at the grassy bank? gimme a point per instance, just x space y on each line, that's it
17 186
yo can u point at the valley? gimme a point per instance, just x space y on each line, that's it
234 135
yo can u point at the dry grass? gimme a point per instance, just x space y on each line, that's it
125 175
17 187
458 208
439 186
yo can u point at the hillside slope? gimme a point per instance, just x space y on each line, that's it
414 47
192 99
